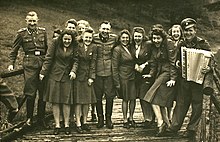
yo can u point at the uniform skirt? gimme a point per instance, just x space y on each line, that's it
84 94
127 90
59 91
159 93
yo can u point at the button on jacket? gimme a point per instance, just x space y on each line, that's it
104 49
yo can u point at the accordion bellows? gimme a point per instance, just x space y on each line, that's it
193 61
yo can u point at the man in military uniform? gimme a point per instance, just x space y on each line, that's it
105 42
189 93
33 40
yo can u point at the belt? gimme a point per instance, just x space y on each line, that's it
36 53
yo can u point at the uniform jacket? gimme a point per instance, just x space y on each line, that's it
103 53
122 65
86 68
58 64
30 42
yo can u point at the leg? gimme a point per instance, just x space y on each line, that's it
197 107
30 109
56 114
158 114
98 87
165 117
85 111
125 110
94 119
78 113
147 113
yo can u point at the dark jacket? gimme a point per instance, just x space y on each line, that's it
58 64
122 65
86 68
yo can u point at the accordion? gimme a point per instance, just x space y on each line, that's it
192 62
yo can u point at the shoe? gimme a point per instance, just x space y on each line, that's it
94 119
100 121
67 130
132 123
42 124
79 129
86 127
56 131
109 124
170 132
126 125
189 134
147 124
162 130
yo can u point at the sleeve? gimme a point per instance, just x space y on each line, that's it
15 47
75 59
92 68
172 60
115 65
49 58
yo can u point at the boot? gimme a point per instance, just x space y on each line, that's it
109 124
100 121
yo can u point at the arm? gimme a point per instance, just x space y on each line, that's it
49 58
13 55
115 66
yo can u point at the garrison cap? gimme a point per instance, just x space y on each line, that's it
188 23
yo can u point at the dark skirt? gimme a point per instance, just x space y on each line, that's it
84 94
159 93
59 91
127 90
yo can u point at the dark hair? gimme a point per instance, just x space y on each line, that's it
105 22
68 32
72 21
157 29
124 31
139 30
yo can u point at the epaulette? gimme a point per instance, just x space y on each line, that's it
22 30
96 35
112 35
199 39
41 28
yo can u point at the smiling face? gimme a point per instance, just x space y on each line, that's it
32 22
138 38
81 28
105 29
87 38
189 33
124 39
67 39
157 40
176 33
71 26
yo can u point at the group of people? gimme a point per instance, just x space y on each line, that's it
82 67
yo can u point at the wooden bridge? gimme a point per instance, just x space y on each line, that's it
118 134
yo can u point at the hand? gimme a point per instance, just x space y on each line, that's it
146 76
205 69
10 68
90 81
41 76
142 66
178 63
72 75
170 83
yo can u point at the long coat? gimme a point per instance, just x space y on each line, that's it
163 70
123 73
84 94
143 57
57 66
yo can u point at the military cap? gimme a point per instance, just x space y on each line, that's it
188 23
